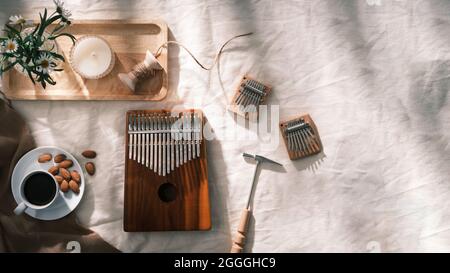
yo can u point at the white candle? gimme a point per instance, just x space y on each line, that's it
92 57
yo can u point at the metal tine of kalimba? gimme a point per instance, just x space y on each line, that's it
158 128
244 94
156 143
306 140
305 137
180 136
247 93
262 89
138 158
176 136
198 126
130 137
193 134
183 118
291 144
312 138
188 136
292 135
151 144
258 91
192 142
163 144
142 139
134 137
172 146
147 140
252 94
167 125
299 138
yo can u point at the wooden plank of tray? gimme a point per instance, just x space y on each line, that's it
129 40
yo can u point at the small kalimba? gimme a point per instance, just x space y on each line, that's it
166 180
301 137
248 96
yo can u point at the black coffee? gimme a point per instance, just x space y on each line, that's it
39 189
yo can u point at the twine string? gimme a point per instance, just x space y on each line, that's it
216 58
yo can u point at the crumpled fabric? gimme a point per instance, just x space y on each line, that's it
373 75
22 233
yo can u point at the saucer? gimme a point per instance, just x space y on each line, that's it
65 203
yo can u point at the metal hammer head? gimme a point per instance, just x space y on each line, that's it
261 159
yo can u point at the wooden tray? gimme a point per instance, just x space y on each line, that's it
145 210
129 40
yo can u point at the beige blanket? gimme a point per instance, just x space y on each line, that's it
23 233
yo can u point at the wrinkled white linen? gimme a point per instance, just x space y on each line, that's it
373 74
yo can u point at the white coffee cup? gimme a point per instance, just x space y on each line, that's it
27 200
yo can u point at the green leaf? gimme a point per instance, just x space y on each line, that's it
50 80
9 66
31 76
64 34
53 19
43 22
57 56
35 29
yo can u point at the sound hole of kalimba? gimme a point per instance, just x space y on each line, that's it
167 192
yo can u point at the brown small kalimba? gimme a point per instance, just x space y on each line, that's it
249 95
301 137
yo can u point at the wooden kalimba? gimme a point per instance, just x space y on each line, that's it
249 95
301 137
166 180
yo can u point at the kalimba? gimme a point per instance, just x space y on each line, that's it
248 96
301 137
166 180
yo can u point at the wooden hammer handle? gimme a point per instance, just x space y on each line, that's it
239 239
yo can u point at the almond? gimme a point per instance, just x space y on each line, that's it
90 168
59 179
53 170
59 158
65 174
44 158
89 154
64 186
66 164
74 186
75 176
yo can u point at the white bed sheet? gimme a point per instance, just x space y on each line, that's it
373 74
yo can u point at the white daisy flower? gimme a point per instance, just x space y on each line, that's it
44 62
16 20
65 13
10 46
